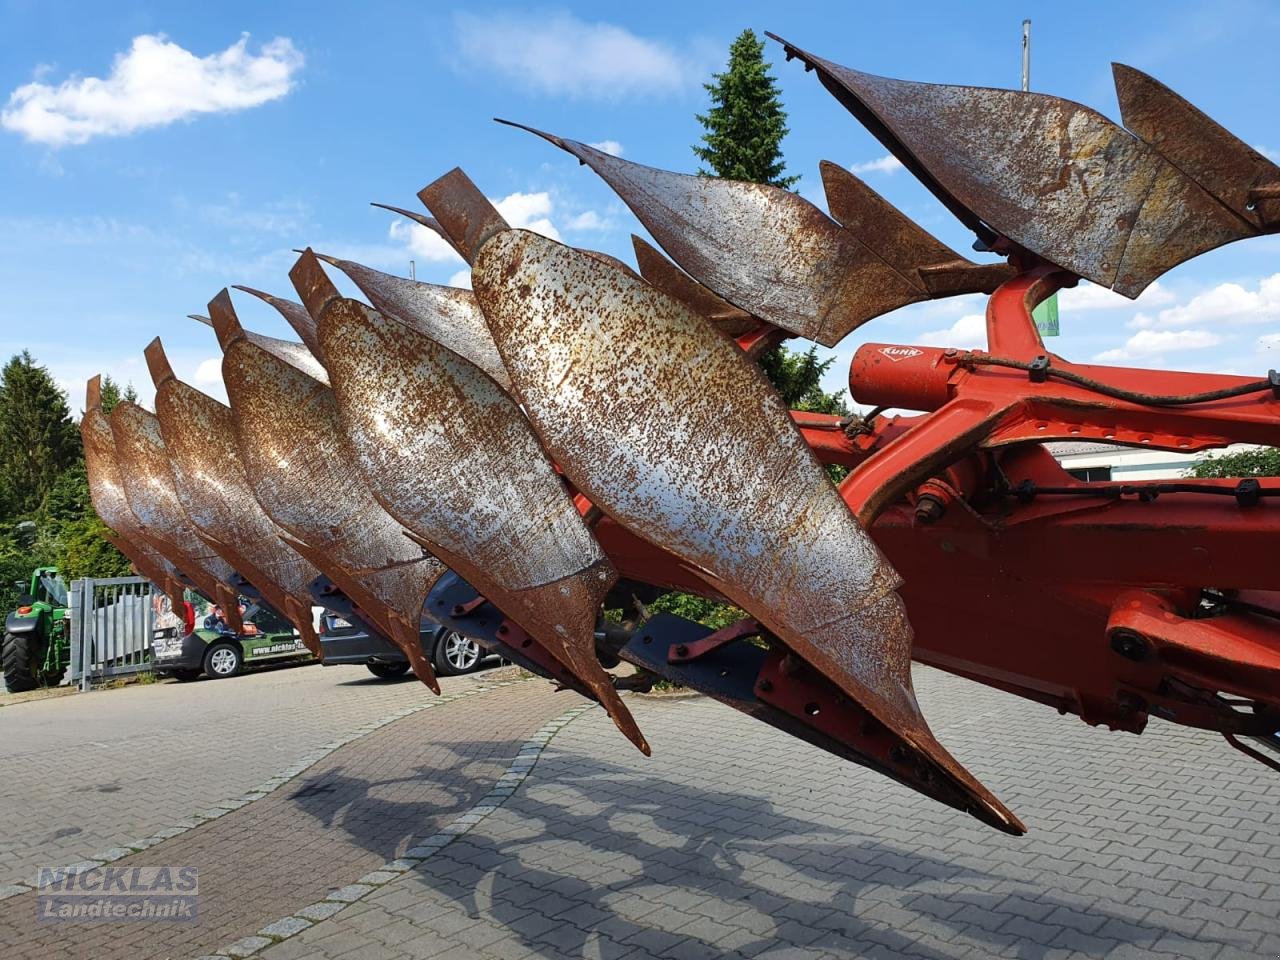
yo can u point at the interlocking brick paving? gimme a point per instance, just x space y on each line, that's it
98 770
734 840
362 805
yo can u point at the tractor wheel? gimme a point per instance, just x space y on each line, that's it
18 658
389 671
223 660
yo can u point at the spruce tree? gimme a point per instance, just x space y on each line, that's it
746 122
112 394
38 439
745 127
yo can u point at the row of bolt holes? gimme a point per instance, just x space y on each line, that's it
1111 436
501 630
897 754
724 673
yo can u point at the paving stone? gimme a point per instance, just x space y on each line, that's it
247 946
378 877
285 927
322 910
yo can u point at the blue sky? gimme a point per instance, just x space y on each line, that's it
153 155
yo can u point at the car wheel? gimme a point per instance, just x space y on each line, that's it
456 654
19 663
389 671
223 660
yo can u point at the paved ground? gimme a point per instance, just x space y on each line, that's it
95 771
362 805
733 840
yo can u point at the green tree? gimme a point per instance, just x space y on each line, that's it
709 613
38 439
43 481
746 122
743 141
78 543
1263 462
20 553
112 394
798 377
744 127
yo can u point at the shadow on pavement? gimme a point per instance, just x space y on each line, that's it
373 814
581 910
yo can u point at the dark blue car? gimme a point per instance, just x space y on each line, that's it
450 653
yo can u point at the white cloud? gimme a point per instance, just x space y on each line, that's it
886 164
155 83
1227 303
612 147
530 211
460 279
967 333
209 373
286 218
1090 296
424 244
560 55
587 220
1146 344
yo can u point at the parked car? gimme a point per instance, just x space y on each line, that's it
451 653
214 650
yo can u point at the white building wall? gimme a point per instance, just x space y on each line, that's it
1129 464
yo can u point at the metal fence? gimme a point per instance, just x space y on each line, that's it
112 622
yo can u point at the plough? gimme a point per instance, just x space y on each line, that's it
574 434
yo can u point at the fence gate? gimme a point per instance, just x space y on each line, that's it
111 627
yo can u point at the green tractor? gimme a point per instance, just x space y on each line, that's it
37 643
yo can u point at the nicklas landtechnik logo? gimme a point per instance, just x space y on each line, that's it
110 894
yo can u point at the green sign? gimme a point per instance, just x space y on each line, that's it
1046 317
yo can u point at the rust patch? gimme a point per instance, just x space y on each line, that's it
447 315
467 218
147 480
1218 160
600 362
674 282
109 501
446 451
926 262
211 485
1052 176
300 468
765 250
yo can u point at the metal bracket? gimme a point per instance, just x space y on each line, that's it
683 652
488 626
468 608
776 687
329 595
